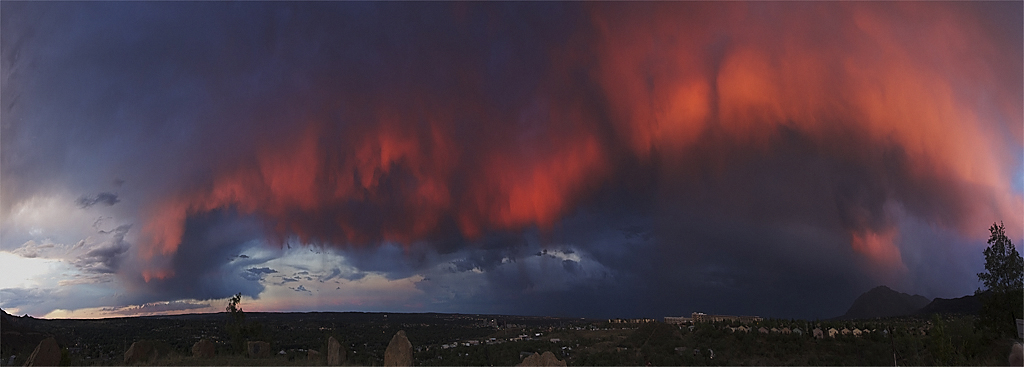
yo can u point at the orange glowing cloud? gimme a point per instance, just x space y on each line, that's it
880 247
910 75
905 75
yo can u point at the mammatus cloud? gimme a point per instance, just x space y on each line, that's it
754 143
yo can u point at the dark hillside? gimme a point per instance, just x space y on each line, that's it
884 302
966 305
18 335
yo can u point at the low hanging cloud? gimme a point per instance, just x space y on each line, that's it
155 308
107 256
104 198
33 249
255 274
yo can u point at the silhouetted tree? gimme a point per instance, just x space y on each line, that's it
239 330
1003 296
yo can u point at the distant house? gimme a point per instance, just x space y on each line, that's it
797 331
762 330
845 331
741 328
678 320
857 332
818 334
774 330
832 332
786 331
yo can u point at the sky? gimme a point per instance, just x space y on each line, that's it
562 159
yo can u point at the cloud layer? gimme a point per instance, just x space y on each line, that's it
748 158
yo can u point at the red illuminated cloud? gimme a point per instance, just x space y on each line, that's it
916 76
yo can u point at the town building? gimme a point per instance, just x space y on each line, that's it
678 320
701 317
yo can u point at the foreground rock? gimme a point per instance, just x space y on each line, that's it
47 353
204 349
399 352
335 355
142 351
1016 355
313 357
258 349
546 359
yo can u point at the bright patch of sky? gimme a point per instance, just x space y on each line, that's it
22 272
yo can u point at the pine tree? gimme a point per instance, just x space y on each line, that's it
1003 296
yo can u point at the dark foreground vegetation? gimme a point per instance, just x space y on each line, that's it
448 339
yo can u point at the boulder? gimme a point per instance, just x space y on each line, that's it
399 352
335 353
313 357
47 353
1016 355
142 351
258 349
546 359
204 349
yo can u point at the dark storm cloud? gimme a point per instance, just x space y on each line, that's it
491 251
107 256
104 198
339 274
254 274
203 269
655 174
571 266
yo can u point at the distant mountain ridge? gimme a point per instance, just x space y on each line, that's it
966 305
884 302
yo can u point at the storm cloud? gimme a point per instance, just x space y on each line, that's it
104 198
661 158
